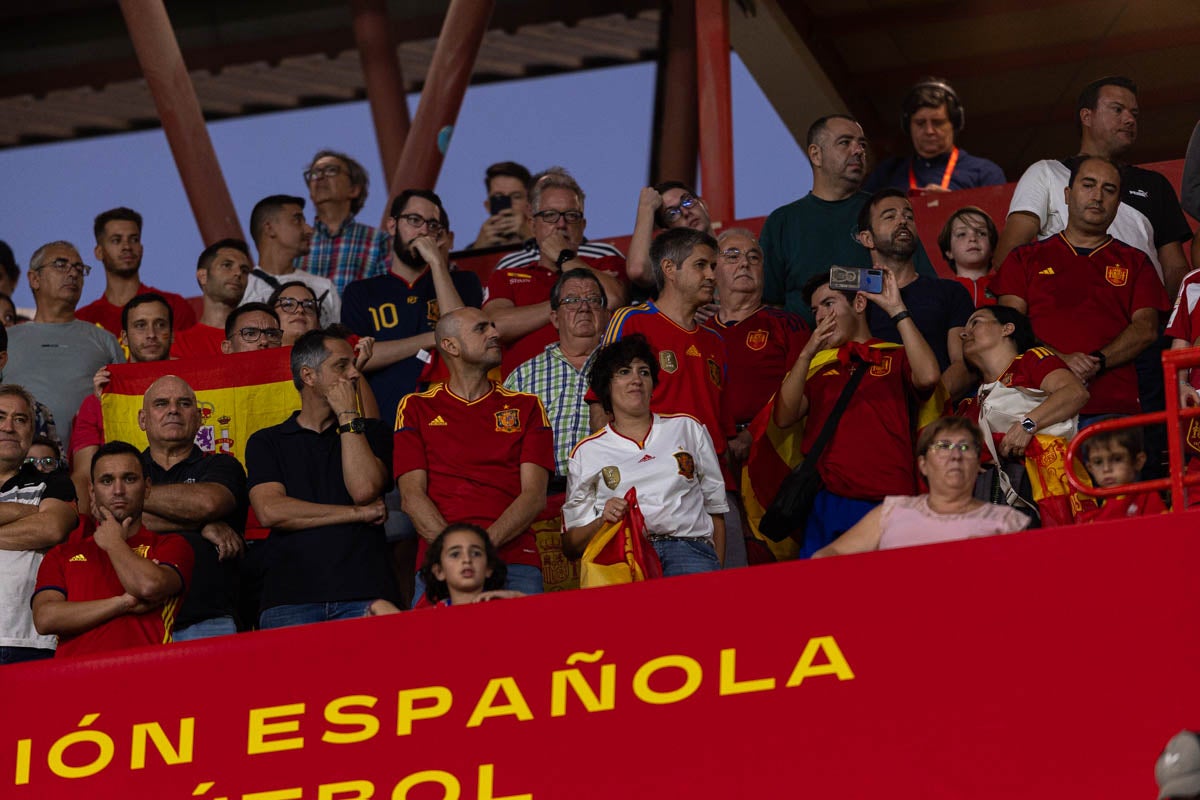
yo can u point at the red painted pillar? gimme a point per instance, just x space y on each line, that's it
381 72
445 84
183 123
716 108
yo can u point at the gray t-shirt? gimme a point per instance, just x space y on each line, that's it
55 361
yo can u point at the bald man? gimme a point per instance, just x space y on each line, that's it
469 450
200 496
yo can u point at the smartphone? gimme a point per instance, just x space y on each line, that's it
856 279
498 203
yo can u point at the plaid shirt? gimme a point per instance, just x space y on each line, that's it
561 389
353 252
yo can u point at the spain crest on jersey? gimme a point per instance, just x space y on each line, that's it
714 373
508 420
1116 275
884 367
612 477
142 550
431 311
756 340
668 361
687 464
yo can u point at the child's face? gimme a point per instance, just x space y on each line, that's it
463 565
969 245
1111 464
41 451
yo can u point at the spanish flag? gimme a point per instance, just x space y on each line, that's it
238 394
775 452
620 551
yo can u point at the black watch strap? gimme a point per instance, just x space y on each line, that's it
356 425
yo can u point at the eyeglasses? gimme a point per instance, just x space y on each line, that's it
327 171
416 221
578 304
45 464
673 212
64 266
732 254
550 216
293 306
942 446
252 335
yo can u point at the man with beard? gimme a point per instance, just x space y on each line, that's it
222 271
1093 299
939 306
401 308
469 450
120 587
119 247
281 235
813 233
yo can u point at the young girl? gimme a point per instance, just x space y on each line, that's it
462 566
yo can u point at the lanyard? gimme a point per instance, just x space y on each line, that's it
912 176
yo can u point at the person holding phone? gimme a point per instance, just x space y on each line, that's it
507 184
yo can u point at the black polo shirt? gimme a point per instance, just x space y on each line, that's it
213 591
328 563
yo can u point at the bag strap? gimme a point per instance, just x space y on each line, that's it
266 277
835 415
1011 495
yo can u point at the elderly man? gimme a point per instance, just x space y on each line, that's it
813 233
933 116
120 587
119 247
282 236
36 512
222 271
559 374
1084 274
469 450
201 497
56 355
342 249
317 481
519 289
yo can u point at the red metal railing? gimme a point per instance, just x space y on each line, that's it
1173 417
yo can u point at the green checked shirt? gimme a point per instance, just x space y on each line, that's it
561 389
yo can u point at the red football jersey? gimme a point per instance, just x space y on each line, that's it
81 570
1027 371
472 453
198 341
1079 303
761 349
108 316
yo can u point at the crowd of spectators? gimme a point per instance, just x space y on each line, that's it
442 418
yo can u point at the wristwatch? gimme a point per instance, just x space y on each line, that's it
356 425
1028 425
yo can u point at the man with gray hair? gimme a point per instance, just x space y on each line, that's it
518 290
342 249
692 360
56 355
317 481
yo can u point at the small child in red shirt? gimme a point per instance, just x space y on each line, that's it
1116 458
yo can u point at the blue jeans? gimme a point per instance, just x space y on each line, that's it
832 515
521 578
205 629
16 655
686 556
305 613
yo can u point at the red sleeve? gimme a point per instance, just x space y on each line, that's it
88 430
537 446
1036 365
798 334
50 573
408 450
1010 278
1148 291
175 551
499 287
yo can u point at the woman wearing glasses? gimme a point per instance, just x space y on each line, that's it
948 456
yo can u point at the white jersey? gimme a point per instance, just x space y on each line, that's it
675 471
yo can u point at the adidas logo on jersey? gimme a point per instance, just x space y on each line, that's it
437 422
1047 271
692 351
78 557
645 458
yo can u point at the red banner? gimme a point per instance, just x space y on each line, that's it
1038 665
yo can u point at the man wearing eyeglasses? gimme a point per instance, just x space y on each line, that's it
40 513
252 326
56 355
508 184
118 234
281 235
665 205
559 374
342 249
519 288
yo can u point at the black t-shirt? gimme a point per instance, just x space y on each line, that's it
936 305
329 563
213 591
1151 195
